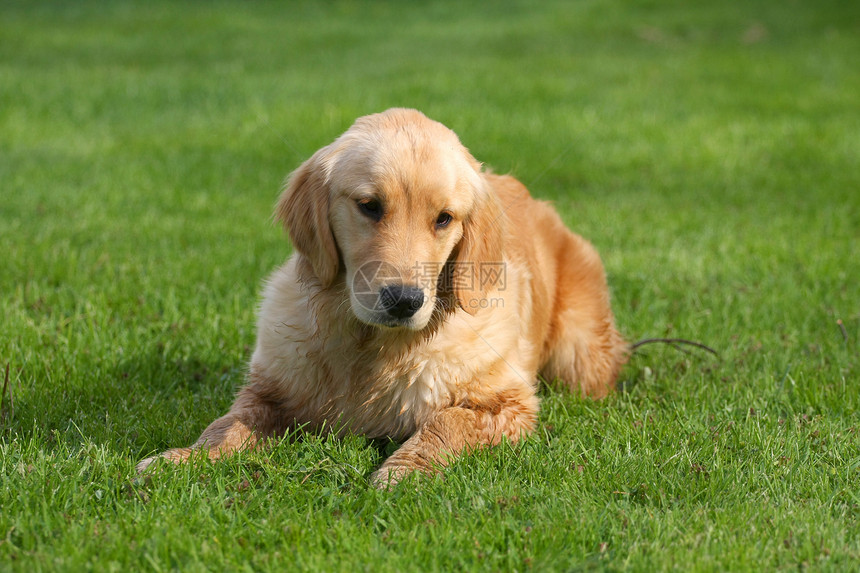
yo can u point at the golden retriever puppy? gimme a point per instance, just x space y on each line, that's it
424 298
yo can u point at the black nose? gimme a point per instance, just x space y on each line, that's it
401 301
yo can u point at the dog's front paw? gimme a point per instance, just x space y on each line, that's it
177 456
144 464
389 476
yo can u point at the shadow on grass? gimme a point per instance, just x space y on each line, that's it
149 401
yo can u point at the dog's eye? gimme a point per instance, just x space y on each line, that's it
370 208
443 220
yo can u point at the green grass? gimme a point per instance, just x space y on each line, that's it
709 150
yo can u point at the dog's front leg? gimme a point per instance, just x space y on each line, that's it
251 419
456 428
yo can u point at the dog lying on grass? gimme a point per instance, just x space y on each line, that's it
424 298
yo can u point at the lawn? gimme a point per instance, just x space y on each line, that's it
711 151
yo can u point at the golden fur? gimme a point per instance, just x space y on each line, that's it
500 292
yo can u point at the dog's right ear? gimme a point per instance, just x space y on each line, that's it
303 210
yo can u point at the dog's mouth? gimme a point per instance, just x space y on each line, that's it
385 322
397 323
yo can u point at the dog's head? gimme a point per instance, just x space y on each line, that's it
398 209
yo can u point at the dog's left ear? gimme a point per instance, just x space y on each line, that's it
303 210
479 264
